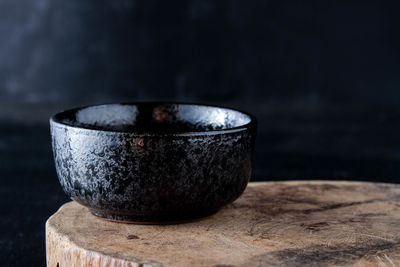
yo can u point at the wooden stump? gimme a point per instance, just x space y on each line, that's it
275 223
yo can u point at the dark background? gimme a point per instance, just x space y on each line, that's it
321 76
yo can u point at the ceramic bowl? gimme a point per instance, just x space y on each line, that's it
153 162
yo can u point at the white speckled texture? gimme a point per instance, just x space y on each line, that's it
152 177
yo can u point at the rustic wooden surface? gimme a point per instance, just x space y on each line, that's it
274 223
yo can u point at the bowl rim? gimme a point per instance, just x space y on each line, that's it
252 124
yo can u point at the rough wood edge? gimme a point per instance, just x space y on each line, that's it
62 251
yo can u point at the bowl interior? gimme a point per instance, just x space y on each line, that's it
154 118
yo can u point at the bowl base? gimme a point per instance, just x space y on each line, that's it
137 219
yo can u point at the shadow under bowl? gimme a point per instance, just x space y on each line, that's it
153 162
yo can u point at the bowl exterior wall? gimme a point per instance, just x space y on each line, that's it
151 178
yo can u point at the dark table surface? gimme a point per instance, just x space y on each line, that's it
291 145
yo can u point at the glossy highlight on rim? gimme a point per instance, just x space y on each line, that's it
57 119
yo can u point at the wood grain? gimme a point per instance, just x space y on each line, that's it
274 223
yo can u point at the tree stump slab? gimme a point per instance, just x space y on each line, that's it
307 223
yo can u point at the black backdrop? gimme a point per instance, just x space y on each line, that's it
321 76
325 53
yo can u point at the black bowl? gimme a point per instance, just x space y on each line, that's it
153 162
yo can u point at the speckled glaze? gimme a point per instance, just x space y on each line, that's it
153 162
